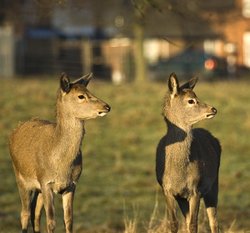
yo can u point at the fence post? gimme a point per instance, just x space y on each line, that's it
86 56
7 64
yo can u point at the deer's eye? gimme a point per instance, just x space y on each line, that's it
191 101
81 97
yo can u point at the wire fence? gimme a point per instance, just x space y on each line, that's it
75 56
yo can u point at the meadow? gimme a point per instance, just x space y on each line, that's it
117 191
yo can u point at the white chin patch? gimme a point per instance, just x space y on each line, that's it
210 116
102 114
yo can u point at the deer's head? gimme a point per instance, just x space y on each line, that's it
182 106
77 101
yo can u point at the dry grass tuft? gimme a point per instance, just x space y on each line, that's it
158 224
131 224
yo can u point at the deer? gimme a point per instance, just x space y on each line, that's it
47 158
187 158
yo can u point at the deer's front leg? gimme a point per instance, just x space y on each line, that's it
48 199
192 217
25 212
171 213
67 199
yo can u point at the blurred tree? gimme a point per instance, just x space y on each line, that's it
140 10
186 13
19 13
9 11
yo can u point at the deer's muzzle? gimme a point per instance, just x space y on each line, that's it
212 114
106 109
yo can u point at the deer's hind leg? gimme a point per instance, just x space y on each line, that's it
36 210
211 200
184 206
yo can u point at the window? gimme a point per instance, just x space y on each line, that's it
246 49
212 46
246 8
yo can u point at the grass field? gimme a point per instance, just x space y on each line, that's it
118 181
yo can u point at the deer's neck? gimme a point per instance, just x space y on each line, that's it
179 141
69 133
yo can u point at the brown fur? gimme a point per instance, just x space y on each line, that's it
47 156
187 160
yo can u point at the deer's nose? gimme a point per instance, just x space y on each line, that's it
107 107
214 110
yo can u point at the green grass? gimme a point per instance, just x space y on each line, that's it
119 152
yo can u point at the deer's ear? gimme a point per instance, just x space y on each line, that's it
173 84
65 83
190 84
84 80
